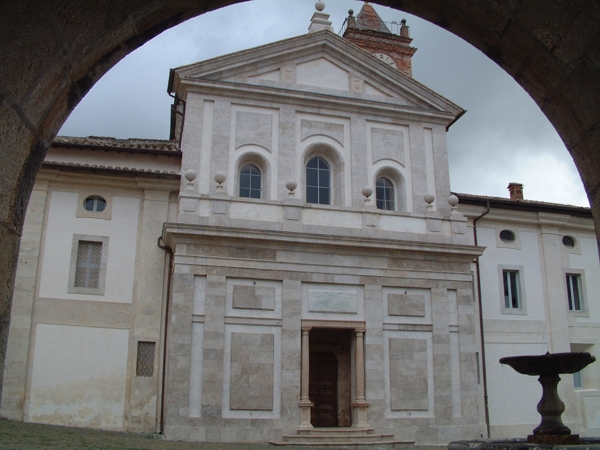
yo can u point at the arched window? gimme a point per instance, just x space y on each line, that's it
94 203
250 182
384 193
318 181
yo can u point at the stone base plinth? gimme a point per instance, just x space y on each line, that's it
553 439
585 443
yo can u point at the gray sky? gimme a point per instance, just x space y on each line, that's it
503 137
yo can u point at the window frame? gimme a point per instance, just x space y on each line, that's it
583 312
522 309
260 174
81 212
386 188
72 289
516 244
330 187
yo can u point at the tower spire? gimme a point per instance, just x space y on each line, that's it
371 33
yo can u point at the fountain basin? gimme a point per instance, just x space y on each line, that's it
550 364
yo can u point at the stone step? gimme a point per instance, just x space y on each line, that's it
341 437
333 431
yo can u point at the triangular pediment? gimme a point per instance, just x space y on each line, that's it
322 63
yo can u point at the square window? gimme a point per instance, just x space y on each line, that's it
88 265
574 293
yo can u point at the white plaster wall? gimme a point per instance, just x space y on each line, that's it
79 376
121 231
587 261
532 283
512 397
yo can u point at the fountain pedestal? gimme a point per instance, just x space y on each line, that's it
551 429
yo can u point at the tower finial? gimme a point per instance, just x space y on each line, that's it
320 20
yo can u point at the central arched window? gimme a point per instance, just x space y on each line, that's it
384 193
318 181
250 182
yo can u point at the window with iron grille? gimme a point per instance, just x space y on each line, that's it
145 359
89 259
87 272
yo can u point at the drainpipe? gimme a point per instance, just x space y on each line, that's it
169 252
483 365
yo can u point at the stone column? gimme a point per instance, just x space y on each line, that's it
360 404
305 403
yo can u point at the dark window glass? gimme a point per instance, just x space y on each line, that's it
318 181
507 236
145 359
574 292
511 289
94 204
568 241
384 193
250 182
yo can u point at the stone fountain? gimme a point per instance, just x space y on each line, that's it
551 431
548 367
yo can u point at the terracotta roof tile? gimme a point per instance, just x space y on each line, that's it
125 144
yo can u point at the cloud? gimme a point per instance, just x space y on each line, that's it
503 137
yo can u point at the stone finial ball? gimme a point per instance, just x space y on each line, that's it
291 185
429 198
453 200
350 12
320 6
367 191
190 175
220 177
403 21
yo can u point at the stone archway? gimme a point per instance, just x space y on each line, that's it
52 53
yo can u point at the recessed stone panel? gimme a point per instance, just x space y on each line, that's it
387 144
316 127
254 129
253 297
252 364
408 374
333 301
406 305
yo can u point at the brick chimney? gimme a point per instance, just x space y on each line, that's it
516 191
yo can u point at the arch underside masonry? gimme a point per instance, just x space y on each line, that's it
52 53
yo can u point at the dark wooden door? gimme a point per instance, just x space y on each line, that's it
323 389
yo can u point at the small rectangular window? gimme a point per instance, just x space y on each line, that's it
512 298
577 380
145 359
574 296
87 271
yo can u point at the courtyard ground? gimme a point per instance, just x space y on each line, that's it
33 436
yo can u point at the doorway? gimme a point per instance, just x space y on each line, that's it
330 377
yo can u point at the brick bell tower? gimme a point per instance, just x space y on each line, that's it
370 33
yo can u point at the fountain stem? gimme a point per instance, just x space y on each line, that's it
550 408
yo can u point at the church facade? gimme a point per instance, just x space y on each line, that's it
292 266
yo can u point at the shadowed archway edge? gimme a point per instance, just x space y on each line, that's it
53 52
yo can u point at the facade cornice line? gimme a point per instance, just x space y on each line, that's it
307 99
175 233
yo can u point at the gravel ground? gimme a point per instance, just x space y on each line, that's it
33 436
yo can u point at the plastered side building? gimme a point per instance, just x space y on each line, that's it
292 266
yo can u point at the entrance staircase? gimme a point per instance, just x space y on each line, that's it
341 436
